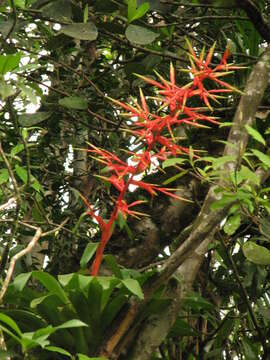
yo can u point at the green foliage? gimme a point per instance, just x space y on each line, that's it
140 35
84 304
60 61
256 253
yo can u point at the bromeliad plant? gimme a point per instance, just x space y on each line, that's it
155 132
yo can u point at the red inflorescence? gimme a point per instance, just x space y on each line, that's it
153 130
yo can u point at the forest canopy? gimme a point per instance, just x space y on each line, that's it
134 179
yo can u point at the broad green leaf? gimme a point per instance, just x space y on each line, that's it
26 319
58 350
19 3
23 175
21 280
108 287
111 310
133 13
11 323
51 284
65 279
6 90
265 159
6 26
255 134
88 253
232 224
172 162
58 9
17 149
134 287
255 253
39 300
4 176
140 35
220 161
73 102
9 62
94 298
74 323
224 201
27 120
265 227
245 174
81 31
43 332
132 5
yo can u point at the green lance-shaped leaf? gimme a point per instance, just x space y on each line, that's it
4 176
134 287
9 62
134 13
172 162
140 35
81 31
232 224
88 253
265 159
73 102
255 134
256 253
51 284
27 120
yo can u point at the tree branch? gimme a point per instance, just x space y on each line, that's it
16 257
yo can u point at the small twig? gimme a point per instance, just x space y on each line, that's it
16 257
100 117
59 227
11 174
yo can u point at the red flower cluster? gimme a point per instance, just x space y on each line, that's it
156 132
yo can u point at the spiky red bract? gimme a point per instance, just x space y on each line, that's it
156 133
